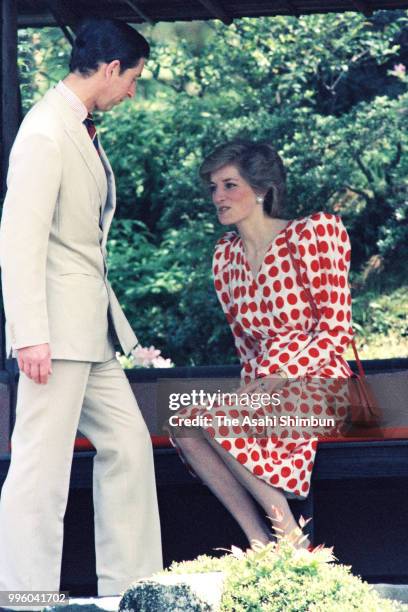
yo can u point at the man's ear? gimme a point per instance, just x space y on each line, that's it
112 69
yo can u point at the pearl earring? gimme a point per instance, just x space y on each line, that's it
259 199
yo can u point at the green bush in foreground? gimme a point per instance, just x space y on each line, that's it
281 578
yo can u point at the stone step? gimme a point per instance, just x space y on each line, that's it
393 591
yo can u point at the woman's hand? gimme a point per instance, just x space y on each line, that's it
266 384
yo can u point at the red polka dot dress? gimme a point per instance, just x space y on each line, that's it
273 328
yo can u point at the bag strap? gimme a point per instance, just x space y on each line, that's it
313 304
358 362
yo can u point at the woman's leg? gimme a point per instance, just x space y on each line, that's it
271 499
213 471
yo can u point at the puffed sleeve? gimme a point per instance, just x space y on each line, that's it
245 344
322 251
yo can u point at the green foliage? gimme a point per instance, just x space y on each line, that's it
255 79
43 57
321 88
281 578
382 313
170 290
381 322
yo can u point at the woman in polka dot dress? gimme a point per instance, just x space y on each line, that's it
264 295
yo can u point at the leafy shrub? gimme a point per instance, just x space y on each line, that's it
381 323
281 578
168 292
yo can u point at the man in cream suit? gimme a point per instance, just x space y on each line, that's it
62 318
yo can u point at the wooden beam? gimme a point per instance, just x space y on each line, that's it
215 8
363 7
64 14
29 15
139 12
292 8
10 111
9 104
67 33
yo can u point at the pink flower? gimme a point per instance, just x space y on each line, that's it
161 362
144 356
399 71
150 357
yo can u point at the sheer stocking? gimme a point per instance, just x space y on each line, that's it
235 487
212 470
271 499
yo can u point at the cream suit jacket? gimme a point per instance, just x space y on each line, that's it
52 248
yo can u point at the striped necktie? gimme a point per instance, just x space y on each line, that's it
90 126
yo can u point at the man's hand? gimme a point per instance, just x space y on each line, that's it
35 362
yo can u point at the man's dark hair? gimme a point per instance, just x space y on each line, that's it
101 41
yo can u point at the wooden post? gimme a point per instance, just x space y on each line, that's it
215 9
10 104
9 108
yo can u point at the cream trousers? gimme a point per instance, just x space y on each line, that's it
97 399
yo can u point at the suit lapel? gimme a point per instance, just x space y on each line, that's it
108 208
80 137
